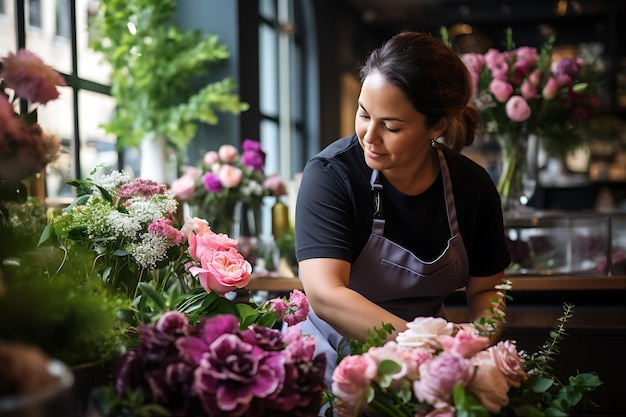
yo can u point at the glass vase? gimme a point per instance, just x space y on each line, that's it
518 176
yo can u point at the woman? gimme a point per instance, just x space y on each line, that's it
392 219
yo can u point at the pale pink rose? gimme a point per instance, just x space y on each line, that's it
489 384
275 184
230 176
392 352
509 361
501 90
352 377
535 77
465 343
494 59
196 225
528 89
414 357
517 109
550 89
205 240
228 153
474 62
193 172
30 78
442 410
222 271
423 332
439 376
184 187
210 158
526 56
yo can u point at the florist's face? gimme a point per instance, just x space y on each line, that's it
391 132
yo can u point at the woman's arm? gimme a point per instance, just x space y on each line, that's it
325 283
479 292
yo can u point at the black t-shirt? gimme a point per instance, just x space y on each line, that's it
335 209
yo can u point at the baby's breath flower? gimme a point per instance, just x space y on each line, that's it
123 225
151 249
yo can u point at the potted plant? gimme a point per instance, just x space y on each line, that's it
157 69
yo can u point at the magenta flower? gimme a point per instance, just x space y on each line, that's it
30 78
253 159
212 182
232 373
163 227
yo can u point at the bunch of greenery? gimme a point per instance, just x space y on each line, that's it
156 70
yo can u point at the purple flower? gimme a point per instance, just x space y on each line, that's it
253 159
264 337
232 373
252 145
212 182
211 328
569 67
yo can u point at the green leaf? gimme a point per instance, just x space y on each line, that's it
151 293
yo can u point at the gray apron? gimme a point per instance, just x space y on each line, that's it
394 278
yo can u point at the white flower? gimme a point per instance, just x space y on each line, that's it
423 332
149 250
123 225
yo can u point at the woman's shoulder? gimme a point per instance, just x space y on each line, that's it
343 156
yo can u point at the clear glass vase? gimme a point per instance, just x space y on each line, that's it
518 175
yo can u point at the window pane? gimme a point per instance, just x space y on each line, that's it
268 71
267 9
56 118
97 147
91 65
43 41
63 19
7 28
34 13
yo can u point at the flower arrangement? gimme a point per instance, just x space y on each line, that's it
127 223
25 149
225 179
522 91
435 368
217 368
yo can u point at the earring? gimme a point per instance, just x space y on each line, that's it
433 141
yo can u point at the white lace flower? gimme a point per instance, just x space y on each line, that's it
423 332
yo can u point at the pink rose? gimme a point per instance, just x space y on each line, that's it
465 343
501 90
439 376
352 377
31 79
184 187
517 109
204 240
196 224
535 77
474 62
222 271
276 185
528 89
550 89
211 158
489 384
510 363
227 153
230 176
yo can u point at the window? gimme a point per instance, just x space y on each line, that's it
83 105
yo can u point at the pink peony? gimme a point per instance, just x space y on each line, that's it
517 109
195 224
501 90
184 187
352 377
439 376
508 360
227 153
229 176
276 185
550 89
489 384
211 158
465 343
222 271
30 78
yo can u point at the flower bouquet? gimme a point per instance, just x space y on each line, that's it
25 149
225 179
434 369
128 224
521 92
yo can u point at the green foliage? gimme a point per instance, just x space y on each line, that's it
156 71
66 313
543 395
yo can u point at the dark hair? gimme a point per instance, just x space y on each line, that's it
433 78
